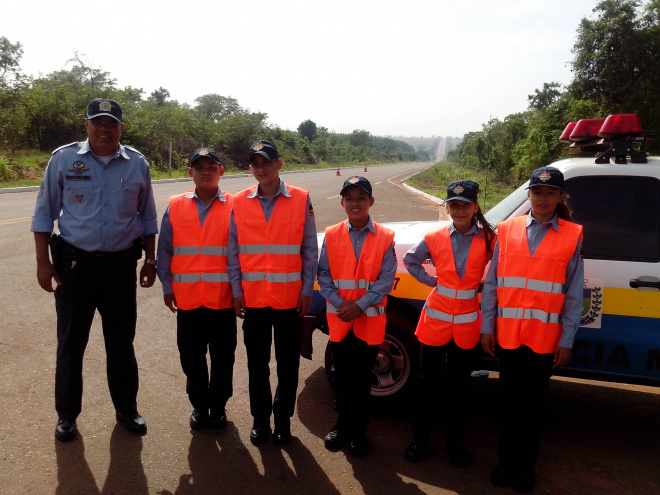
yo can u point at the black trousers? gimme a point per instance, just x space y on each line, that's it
109 286
203 330
444 391
353 362
523 389
260 327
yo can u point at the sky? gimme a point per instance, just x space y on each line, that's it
391 67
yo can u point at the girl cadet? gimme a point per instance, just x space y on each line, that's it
533 292
450 322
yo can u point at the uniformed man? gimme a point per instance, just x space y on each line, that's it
99 191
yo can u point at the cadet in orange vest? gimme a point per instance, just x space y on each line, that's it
192 266
533 291
356 273
450 321
273 255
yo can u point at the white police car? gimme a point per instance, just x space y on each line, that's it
616 197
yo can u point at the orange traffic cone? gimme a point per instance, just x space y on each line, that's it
338 171
365 168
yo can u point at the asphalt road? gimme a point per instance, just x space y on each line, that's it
600 438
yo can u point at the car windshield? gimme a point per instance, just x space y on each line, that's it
508 205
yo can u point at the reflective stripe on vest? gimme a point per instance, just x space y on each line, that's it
191 278
529 314
204 250
270 277
538 285
449 318
455 293
370 311
270 249
352 284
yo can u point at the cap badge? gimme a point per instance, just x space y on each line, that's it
545 176
458 189
105 106
203 152
257 147
353 180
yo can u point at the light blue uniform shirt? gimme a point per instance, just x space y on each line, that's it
572 310
378 290
166 237
309 249
98 207
418 254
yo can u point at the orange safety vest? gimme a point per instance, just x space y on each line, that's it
530 291
452 308
199 261
269 252
353 278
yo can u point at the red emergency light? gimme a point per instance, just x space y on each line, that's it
566 135
616 126
586 129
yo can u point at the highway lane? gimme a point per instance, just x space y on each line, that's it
601 437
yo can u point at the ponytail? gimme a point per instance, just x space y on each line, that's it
564 210
489 232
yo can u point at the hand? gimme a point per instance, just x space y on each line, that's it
147 275
304 303
488 343
45 274
562 357
239 307
348 311
170 302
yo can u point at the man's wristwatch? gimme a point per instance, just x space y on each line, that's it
147 261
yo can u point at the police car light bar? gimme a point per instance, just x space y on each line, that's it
586 129
616 126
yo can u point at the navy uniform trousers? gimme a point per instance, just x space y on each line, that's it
108 283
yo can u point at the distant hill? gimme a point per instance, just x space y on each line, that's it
436 146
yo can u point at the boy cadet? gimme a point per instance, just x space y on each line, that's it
99 191
192 266
356 273
272 264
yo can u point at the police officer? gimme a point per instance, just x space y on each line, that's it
99 191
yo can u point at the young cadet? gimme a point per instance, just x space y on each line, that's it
273 255
533 296
356 273
192 266
450 322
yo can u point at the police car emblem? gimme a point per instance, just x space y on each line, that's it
78 168
592 304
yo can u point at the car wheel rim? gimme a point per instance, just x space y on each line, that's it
392 368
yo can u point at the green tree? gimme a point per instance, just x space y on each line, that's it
10 58
307 129
216 107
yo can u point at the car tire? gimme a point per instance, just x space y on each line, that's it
397 363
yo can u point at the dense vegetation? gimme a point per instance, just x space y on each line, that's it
47 112
616 69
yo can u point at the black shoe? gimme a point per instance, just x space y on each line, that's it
523 480
218 421
358 447
133 423
501 476
335 439
199 419
259 434
416 451
282 432
65 430
458 456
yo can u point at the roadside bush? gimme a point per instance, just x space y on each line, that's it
6 173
